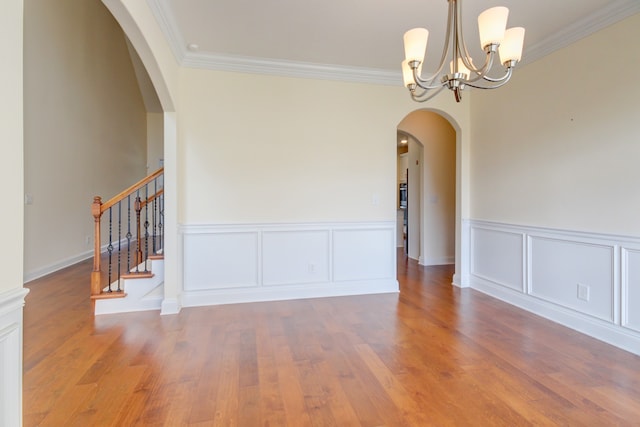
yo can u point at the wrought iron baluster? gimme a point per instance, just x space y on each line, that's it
129 235
161 223
110 247
146 227
154 221
119 242
153 218
161 214
138 242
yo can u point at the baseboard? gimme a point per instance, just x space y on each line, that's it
611 334
437 260
52 268
288 292
170 306
67 262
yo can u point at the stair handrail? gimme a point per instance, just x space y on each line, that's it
129 191
98 208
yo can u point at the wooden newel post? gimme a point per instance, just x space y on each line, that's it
96 211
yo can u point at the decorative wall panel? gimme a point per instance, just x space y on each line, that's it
263 262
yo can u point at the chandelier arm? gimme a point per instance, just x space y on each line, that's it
457 32
481 72
461 47
415 96
500 81
443 58
447 39
463 52
426 84
504 78
418 98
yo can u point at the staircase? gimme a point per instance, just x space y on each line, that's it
140 292
128 263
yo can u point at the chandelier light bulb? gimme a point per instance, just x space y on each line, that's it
491 25
511 47
415 44
461 67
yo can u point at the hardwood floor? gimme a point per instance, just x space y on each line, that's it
432 355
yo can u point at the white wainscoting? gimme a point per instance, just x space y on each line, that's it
228 259
497 256
586 281
11 303
630 292
265 262
295 257
559 267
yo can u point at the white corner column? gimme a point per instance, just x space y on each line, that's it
172 277
12 215
11 303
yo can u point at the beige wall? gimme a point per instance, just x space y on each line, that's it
155 141
437 156
274 149
85 125
415 209
11 135
559 145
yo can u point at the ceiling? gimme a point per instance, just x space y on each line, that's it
356 39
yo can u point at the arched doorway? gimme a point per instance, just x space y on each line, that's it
161 69
431 191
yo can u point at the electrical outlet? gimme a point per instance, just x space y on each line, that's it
583 292
87 240
312 268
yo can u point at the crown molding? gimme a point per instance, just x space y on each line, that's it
608 15
168 26
244 64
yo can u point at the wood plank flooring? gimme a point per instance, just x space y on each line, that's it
431 355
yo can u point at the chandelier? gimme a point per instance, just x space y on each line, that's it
494 37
